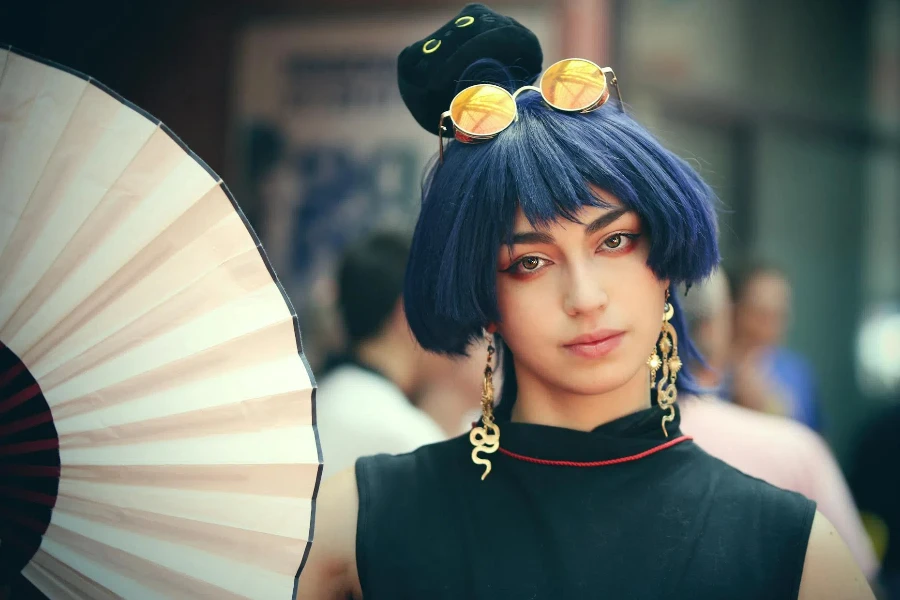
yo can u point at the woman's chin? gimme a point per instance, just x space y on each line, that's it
597 381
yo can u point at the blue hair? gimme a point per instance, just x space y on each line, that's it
545 163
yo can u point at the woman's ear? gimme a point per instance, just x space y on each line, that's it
491 328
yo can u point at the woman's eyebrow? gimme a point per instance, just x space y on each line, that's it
607 219
532 237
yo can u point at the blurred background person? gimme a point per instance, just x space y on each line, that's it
364 398
709 311
767 376
769 447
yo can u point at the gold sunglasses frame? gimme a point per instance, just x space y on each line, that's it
475 138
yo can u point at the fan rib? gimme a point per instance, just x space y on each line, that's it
20 425
29 471
287 481
27 496
60 581
20 397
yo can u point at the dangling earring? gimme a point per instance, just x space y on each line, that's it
487 437
666 392
655 362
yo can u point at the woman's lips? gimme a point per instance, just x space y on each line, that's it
595 345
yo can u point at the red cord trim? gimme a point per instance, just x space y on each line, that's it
598 463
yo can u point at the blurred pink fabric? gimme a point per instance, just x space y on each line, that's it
784 453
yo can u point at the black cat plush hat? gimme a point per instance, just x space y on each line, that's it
429 70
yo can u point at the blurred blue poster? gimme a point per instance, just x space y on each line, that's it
326 147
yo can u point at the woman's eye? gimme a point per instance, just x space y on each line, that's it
620 242
527 264
530 263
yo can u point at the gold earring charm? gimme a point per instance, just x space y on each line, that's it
486 438
654 362
670 362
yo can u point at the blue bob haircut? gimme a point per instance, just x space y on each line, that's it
545 162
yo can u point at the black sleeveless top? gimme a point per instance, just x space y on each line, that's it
674 523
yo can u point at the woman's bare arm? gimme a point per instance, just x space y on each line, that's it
830 572
330 572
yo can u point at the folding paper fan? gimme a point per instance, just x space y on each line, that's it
157 419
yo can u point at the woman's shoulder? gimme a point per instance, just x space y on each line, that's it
830 571
357 508
769 525
330 566
415 467
744 494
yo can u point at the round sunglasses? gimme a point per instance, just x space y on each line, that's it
482 111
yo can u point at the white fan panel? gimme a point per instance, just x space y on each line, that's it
113 579
179 289
36 104
185 184
242 579
250 314
257 381
275 515
286 445
99 142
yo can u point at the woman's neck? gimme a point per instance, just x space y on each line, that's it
537 403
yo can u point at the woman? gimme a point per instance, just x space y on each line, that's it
558 230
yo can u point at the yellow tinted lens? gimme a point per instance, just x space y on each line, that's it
573 85
483 110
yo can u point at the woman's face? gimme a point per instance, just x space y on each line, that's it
580 309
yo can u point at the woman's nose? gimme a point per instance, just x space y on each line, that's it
585 291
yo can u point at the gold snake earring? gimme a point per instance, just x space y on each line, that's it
666 392
486 438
